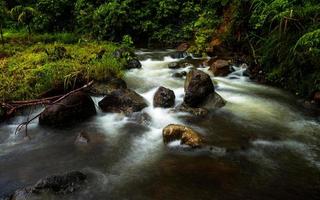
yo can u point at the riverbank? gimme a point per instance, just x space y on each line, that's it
41 66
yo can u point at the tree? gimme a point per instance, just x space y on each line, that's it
3 15
24 15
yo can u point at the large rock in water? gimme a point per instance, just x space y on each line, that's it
56 184
186 135
198 86
164 98
122 101
74 108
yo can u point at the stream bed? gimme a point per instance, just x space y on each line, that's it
262 146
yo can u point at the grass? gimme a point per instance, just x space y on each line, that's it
35 66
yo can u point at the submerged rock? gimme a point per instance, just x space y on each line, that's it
179 74
122 101
142 118
198 86
88 138
220 67
56 184
199 112
164 98
179 132
74 108
175 65
108 86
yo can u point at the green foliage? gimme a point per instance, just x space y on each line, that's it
24 15
289 44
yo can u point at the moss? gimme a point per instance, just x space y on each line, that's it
32 71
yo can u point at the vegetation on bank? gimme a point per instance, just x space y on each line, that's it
32 69
280 36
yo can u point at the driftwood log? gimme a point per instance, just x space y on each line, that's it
13 106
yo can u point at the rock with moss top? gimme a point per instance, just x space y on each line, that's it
186 135
74 108
122 101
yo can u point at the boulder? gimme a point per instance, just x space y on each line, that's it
220 67
122 101
108 86
164 98
198 86
186 135
133 63
74 108
56 184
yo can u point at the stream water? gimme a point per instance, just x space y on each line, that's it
262 146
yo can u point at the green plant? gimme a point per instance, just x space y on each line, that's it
24 15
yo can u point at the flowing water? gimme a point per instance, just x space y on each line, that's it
262 146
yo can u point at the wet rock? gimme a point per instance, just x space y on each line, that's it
199 112
74 108
133 63
108 86
179 74
122 101
164 98
56 184
220 67
198 86
179 132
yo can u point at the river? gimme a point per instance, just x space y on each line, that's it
262 146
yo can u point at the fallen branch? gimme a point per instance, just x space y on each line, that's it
26 123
